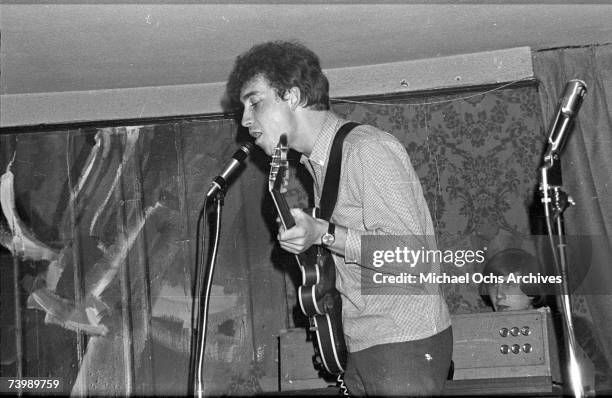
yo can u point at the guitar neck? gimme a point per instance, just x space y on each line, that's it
288 221
283 209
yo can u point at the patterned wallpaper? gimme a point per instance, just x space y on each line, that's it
477 155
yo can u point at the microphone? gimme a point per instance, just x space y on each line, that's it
567 109
220 182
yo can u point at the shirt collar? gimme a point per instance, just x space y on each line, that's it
322 144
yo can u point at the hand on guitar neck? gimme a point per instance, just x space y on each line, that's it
308 231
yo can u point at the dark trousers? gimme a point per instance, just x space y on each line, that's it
411 368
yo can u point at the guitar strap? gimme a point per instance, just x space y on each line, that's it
329 195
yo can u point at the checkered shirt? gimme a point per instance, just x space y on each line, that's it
379 194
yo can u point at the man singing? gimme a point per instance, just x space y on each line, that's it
398 344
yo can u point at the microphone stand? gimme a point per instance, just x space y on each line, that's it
556 201
200 312
201 294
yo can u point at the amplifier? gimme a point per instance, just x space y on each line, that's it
505 344
490 345
493 353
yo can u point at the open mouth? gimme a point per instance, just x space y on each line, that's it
255 134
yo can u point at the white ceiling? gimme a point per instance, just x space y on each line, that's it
80 47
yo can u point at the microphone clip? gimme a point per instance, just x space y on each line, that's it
217 186
217 189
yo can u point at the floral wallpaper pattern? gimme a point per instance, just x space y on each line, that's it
477 156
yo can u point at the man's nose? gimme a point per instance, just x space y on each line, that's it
247 120
500 293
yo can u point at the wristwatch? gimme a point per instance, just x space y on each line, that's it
329 238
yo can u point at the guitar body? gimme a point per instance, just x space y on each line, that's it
318 298
311 294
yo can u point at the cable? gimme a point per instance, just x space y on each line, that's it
432 102
343 390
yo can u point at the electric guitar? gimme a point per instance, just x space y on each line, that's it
318 297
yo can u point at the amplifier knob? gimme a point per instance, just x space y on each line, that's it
515 348
514 331
503 332
525 331
527 348
504 349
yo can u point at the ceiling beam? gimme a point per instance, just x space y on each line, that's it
474 69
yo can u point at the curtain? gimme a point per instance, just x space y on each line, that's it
101 227
587 175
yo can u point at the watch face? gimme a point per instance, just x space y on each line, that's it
328 239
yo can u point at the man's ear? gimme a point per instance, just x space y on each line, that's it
294 97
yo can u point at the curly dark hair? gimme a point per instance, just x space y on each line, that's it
285 64
514 261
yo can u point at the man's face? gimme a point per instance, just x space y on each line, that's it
265 114
508 296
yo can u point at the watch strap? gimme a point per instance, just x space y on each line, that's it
331 229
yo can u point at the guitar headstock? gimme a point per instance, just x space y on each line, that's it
279 167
